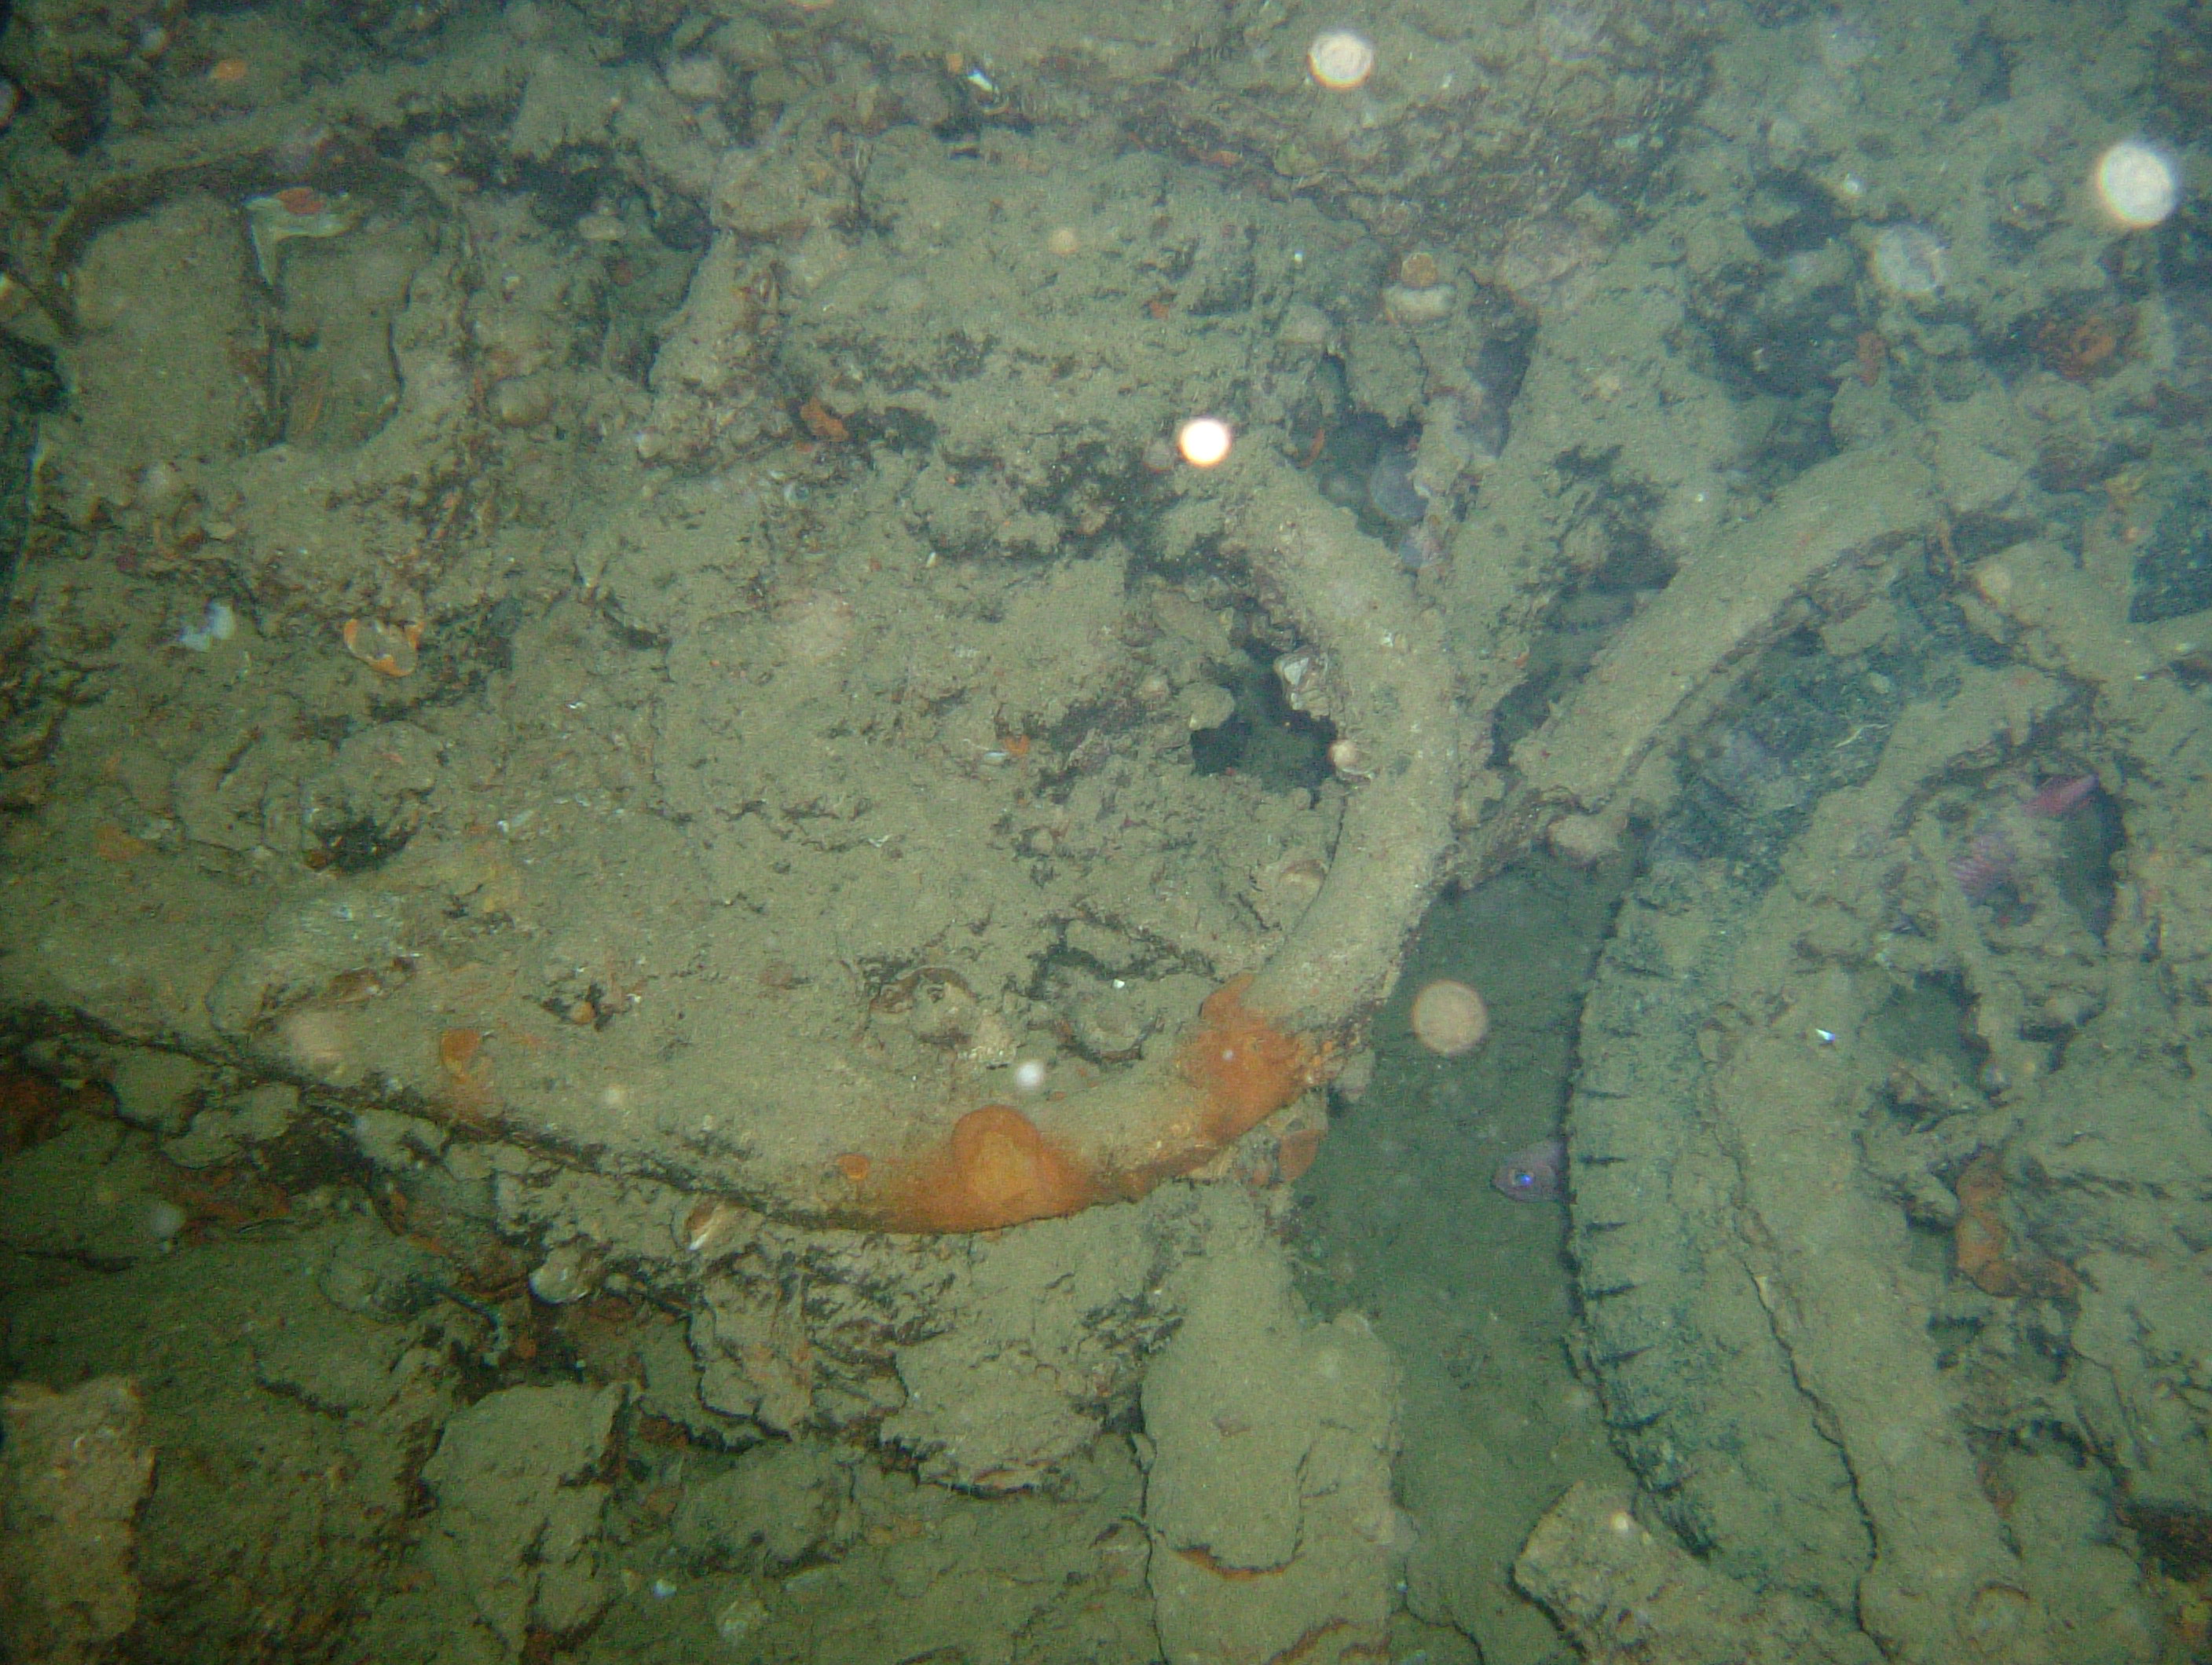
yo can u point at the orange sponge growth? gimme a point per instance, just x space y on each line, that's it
995 1170
1236 1068
1244 1066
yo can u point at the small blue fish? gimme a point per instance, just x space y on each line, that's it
1534 1174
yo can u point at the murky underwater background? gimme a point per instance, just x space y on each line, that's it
706 954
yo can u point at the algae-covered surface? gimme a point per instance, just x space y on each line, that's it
705 955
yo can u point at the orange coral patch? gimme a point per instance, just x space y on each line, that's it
995 1170
467 1074
824 423
111 843
1198 1556
1984 1247
31 1107
386 649
1295 1154
1245 1066
458 1049
1979 1238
